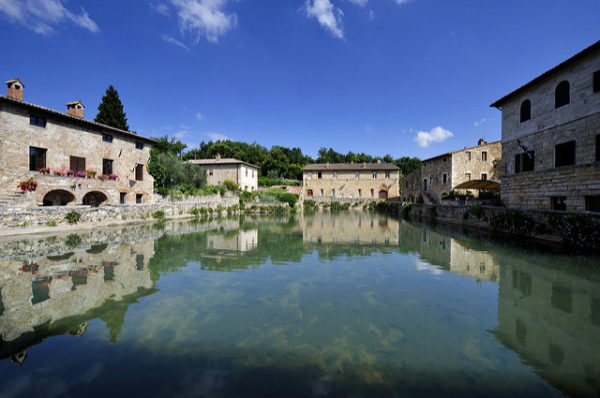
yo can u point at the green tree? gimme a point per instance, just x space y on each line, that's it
110 110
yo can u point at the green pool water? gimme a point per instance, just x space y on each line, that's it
346 305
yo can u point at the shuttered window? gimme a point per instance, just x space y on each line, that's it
139 172
77 163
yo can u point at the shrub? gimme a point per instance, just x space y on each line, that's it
220 209
159 215
72 217
246 196
231 185
420 200
51 223
310 205
73 240
337 206
477 211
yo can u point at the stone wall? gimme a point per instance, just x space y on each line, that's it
469 163
63 139
32 216
347 186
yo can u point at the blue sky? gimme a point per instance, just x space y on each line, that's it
408 78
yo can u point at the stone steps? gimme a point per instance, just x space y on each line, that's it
8 198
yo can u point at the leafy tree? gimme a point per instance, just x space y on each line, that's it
110 110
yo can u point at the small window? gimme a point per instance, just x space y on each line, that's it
122 196
524 162
76 163
107 166
562 95
468 155
333 193
246 172
356 175
564 154
139 145
484 176
444 178
139 198
558 203
309 175
37 158
37 121
525 110
335 175
360 193
309 192
319 175
139 172
468 176
322 193
252 173
484 156
372 192
597 147
592 203
374 175
597 81
210 172
107 137
387 175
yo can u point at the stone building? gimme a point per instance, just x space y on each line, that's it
551 138
69 149
440 174
353 181
218 170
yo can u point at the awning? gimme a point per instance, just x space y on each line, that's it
492 185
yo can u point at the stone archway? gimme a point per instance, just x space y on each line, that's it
94 198
58 197
383 194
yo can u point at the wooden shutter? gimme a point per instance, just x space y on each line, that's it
139 172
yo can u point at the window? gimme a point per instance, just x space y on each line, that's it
524 162
319 175
139 198
360 193
309 192
322 193
372 192
139 172
309 175
356 175
333 193
37 121
558 203
444 178
335 175
246 172
598 147
592 203
387 175
562 95
107 137
210 172
597 81
139 145
374 175
564 154
122 196
468 155
484 176
484 156
77 163
468 176
107 166
37 158
252 173
525 110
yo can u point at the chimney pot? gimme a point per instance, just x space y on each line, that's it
75 108
15 89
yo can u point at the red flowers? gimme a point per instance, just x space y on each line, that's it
28 185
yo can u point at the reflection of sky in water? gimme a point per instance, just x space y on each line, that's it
293 317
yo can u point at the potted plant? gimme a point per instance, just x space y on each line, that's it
44 170
28 185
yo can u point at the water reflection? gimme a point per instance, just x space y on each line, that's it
327 305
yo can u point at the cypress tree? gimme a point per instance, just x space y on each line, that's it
110 110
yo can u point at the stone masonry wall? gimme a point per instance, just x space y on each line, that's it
346 185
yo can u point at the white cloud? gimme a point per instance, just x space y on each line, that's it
368 129
185 127
160 8
199 116
204 18
181 134
400 2
42 16
421 265
172 40
437 134
360 3
329 17
479 122
371 15
217 136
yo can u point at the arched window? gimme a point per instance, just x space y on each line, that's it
525 110
562 95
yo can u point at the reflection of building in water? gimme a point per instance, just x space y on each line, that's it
449 253
53 292
551 318
237 240
353 227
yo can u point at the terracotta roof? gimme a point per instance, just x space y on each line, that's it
350 166
208 162
76 119
14 80
479 184
557 68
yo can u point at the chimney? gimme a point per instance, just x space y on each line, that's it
218 157
378 161
15 89
481 142
75 108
